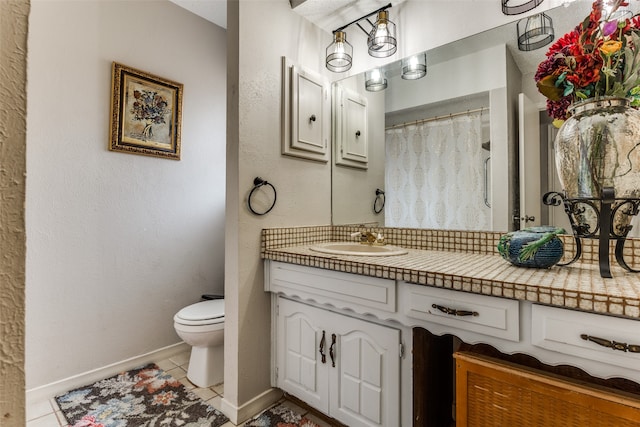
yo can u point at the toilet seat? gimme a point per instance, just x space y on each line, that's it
201 313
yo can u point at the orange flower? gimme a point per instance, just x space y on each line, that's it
610 47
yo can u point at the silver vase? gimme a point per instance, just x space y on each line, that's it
598 147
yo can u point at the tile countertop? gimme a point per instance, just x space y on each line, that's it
578 286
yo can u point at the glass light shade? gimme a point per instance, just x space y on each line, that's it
516 7
382 40
534 32
414 67
339 53
374 80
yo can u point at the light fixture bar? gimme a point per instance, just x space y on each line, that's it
365 17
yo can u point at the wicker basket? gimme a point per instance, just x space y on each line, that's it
494 393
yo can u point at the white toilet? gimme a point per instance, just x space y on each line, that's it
201 325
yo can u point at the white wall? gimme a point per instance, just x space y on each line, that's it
466 75
117 243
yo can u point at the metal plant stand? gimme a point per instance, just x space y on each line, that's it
590 216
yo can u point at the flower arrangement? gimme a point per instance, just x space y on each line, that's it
599 57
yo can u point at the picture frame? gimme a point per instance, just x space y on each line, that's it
146 113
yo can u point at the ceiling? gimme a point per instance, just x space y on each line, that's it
332 14
212 10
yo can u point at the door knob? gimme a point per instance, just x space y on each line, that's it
528 218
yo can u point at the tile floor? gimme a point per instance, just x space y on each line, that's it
47 413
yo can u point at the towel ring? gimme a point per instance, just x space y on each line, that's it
257 183
380 198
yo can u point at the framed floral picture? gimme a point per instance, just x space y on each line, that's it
146 113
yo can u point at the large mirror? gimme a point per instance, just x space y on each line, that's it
444 148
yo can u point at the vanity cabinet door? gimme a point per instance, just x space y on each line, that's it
365 384
356 382
301 369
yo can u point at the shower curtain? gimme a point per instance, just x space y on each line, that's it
434 175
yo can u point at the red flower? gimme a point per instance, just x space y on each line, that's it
576 67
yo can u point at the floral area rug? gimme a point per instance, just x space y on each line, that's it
280 416
145 396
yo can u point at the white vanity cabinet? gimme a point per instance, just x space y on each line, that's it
346 367
365 323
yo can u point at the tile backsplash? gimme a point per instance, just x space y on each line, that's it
478 242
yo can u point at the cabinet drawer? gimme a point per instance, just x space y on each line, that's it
591 336
496 317
327 286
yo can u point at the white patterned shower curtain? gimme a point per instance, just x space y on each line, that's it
434 175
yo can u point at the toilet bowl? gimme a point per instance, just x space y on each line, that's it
201 325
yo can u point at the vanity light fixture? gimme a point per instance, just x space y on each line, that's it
374 80
339 53
414 67
381 40
534 32
517 6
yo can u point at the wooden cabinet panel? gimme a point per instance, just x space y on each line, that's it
490 392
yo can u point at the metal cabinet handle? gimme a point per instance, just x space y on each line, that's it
357 133
614 345
454 312
331 351
312 118
486 182
323 356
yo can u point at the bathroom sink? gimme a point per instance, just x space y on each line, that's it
352 248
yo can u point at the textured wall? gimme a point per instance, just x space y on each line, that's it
13 64
304 187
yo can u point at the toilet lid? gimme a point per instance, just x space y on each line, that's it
205 310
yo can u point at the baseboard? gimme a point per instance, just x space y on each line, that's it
240 414
48 391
